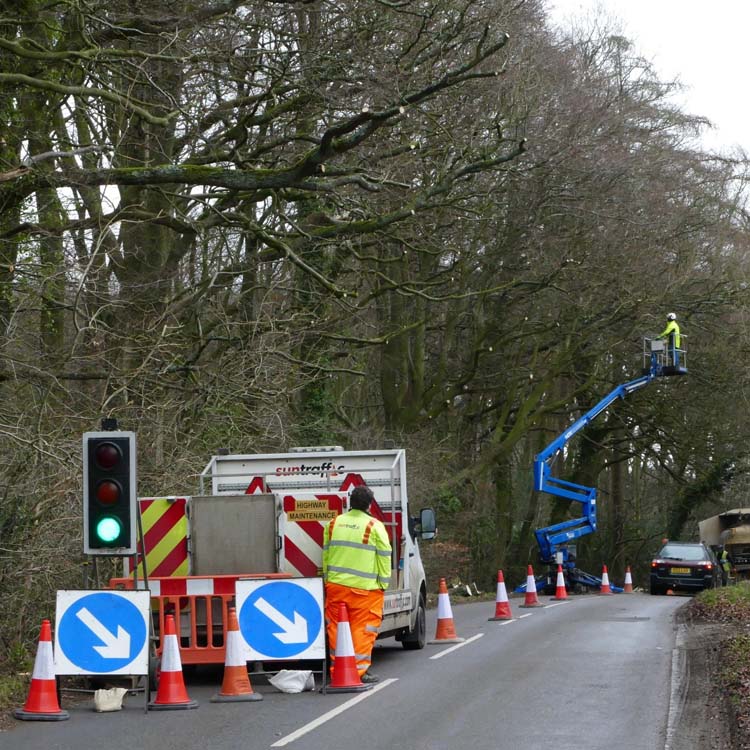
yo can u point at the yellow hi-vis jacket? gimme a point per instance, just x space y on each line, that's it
357 552
724 561
672 327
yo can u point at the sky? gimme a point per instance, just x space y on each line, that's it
703 44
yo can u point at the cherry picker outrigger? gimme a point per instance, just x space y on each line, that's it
556 542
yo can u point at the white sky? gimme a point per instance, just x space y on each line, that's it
703 43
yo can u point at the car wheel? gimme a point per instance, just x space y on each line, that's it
654 590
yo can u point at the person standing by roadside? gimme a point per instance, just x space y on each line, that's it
725 563
356 571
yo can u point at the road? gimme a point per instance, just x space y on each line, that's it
589 673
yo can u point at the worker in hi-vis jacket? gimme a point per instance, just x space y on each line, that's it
356 570
672 334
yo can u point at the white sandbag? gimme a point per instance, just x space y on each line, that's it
293 680
109 699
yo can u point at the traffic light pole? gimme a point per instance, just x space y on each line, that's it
111 511
151 633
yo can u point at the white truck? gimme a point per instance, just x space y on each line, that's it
263 515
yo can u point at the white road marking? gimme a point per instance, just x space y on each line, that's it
557 604
516 619
332 713
676 698
458 645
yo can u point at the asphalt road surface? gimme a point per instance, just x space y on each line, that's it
588 673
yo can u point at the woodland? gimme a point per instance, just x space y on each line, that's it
438 225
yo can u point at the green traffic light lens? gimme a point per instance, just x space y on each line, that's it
108 529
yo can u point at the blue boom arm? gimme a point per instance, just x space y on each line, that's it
551 537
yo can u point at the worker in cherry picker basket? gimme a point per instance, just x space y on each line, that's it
672 334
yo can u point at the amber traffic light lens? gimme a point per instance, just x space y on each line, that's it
108 492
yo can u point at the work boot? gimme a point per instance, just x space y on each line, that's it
369 678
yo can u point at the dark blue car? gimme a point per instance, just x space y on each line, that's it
684 566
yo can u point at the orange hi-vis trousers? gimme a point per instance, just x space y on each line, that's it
365 615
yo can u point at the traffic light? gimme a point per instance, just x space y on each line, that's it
109 493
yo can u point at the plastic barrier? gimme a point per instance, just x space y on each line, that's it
200 607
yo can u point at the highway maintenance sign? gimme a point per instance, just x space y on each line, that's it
282 619
101 632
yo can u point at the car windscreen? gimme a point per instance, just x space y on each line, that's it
683 552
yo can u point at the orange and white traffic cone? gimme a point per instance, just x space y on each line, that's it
531 599
628 585
171 693
502 605
560 591
445 632
345 678
235 686
605 588
41 702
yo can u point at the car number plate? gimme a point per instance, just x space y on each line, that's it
679 571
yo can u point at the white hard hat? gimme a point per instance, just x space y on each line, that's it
671 316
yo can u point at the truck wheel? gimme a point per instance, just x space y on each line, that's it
154 672
417 638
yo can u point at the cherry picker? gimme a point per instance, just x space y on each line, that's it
557 542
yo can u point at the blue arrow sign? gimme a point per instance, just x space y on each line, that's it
101 632
282 619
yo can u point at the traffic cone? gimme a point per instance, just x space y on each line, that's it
605 588
41 702
170 693
628 585
446 630
502 605
345 678
531 599
560 592
235 686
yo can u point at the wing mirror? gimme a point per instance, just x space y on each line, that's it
426 526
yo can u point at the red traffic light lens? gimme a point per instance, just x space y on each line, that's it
107 455
108 492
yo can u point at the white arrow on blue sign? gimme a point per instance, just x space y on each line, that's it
282 619
102 632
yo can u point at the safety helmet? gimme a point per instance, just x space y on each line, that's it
671 316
